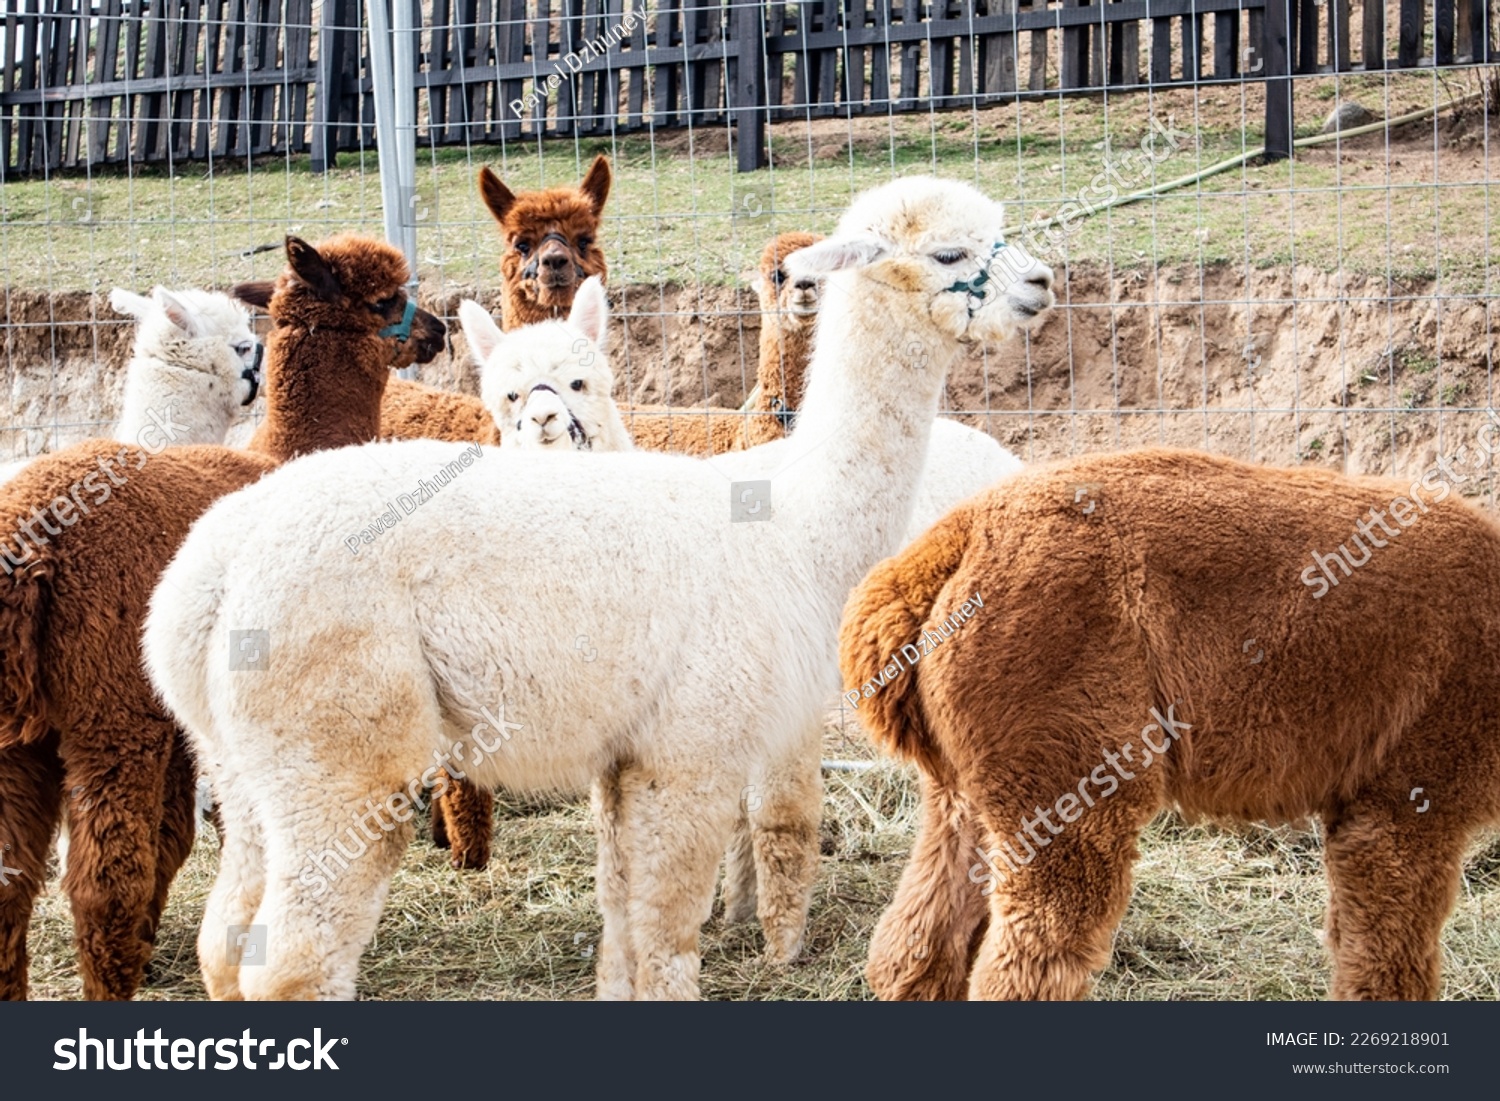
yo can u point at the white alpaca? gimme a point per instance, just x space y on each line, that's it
194 365
548 385
456 642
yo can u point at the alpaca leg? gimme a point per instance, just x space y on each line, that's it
236 894
114 822
739 873
468 814
178 826
784 819
1052 918
440 839
1393 878
30 802
923 943
675 825
616 966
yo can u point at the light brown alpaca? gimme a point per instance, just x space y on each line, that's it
86 534
1121 633
788 316
550 247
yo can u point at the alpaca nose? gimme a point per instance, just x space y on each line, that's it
1040 276
544 417
806 284
555 261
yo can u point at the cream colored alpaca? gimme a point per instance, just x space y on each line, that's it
548 385
194 366
710 639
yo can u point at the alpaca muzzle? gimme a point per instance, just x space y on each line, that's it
543 256
401 330
251 373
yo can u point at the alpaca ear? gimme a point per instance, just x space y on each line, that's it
311 269
833 254
590 312
495 194
257 293
130 303
596 183
479 327
178 312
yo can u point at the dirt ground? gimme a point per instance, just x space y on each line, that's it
1275 365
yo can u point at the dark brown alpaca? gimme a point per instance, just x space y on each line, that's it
1121 633
91 528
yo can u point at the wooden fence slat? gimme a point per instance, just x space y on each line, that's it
1443 32
1161 51
997 53
1409 44
1372 48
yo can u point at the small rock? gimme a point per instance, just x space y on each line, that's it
1346 116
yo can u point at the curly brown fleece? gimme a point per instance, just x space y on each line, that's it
90 530
1188 609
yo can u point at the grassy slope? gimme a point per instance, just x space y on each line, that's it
692 219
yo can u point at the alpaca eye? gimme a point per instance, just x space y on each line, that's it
585 243
243 350
578 384
523 247
950 255
512 396
778 277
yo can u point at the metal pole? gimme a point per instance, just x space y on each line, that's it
393 76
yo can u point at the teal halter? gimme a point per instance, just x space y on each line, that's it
975 288
402 329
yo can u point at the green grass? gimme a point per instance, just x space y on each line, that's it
679 213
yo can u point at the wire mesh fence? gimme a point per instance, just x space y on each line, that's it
1335 307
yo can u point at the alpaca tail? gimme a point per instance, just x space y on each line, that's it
886 612
25 592
181 629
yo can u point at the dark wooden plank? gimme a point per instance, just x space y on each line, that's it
569 38
852 89
1409 44
31 47
1480 42
1308 14
1036 80
940 59
666 83
1130 52
1075 52
1372 48
510 46
1254 59
124 133
828 62
997 54
1161 51
481 123
911 57
1192 48
880 57
1226 44
265 36
1278 58
1443 32
1098 37
749 101
227 135
150 107
636 100
102 108
444 54
591 83
1340 54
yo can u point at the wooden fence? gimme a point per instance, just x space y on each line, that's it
96 82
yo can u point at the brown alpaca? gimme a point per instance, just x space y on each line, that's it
551 247
92 527
788 316
1121 633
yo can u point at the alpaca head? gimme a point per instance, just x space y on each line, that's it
929 253
549 385
196 331
551 241
793 301
354 285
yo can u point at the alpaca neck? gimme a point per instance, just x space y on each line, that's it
785 350
860 442
323 390
154 409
